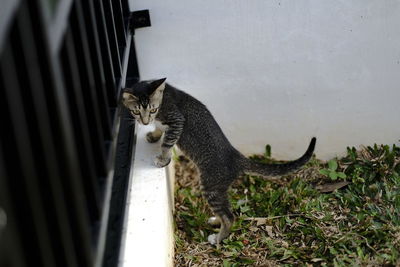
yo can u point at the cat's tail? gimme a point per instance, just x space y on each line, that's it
275 169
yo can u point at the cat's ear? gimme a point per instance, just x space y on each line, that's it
157 86
128 98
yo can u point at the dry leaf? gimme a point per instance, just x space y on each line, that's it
268 228
284 244
253 228
327 188
316 260
261 221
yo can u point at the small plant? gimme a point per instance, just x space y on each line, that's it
332 172
267 153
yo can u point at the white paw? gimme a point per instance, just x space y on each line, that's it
212 239
160 161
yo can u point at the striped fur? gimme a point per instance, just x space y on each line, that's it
187 123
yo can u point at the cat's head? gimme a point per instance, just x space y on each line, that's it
144 99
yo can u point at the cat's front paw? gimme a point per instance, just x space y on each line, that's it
161 161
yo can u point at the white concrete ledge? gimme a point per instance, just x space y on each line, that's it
147 238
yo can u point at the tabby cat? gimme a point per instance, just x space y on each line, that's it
186 122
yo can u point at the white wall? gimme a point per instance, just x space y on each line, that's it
281 71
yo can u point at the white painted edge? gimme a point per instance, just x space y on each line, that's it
147 234
101 243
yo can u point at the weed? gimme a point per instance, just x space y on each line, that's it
331 171
288 222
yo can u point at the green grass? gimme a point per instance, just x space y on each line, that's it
289 223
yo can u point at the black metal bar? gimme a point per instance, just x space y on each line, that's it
56 22
122 164
126 13
67 155
11 247
88 89
132 76
31 78
113 40
118 200
119 24
80 125
7 11
61 74
98 70
107 63
25 183
76 186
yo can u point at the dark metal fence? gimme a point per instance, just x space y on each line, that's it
65 152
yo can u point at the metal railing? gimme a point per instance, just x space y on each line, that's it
65 152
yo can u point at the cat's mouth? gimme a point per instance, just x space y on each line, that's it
145 122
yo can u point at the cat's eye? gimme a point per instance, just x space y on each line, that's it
153 110
135 111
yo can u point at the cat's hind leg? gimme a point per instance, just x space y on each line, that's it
154 136
220 205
